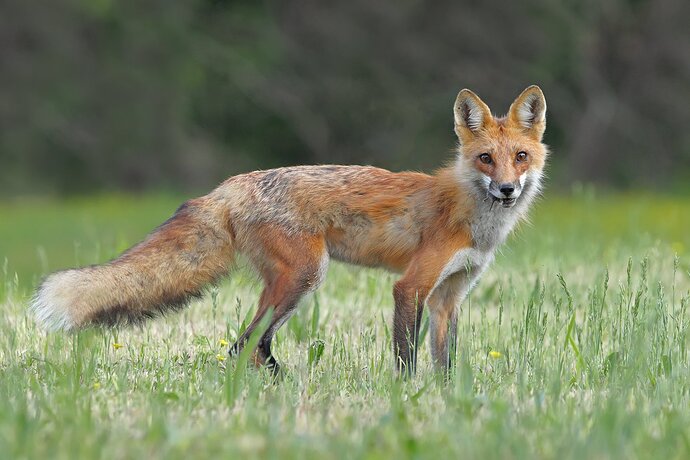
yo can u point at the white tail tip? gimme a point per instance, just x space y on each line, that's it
52 301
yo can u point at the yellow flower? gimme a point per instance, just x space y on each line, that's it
96 385
223 343
495 354
117 346
220 357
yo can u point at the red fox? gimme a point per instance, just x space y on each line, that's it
439 231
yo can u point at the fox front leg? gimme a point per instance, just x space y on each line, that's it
409 305
433 274
443 319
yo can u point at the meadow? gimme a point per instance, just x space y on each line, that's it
573 345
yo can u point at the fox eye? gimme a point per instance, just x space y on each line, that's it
485 158
521 156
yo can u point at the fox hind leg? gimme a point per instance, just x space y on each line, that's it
291 267
267 302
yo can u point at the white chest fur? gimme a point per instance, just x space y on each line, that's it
472 262
490 227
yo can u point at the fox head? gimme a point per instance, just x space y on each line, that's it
501 157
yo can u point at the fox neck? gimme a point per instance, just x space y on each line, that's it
489 221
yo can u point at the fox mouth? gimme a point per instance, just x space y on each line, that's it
505 202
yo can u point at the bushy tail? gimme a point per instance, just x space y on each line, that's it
174 263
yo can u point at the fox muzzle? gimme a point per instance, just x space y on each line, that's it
505 192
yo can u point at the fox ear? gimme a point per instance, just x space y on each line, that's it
471 114
528 111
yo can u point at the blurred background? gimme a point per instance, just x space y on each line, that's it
134 95
114 112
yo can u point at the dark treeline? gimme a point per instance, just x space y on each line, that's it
133 94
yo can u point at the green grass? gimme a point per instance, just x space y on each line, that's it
587 307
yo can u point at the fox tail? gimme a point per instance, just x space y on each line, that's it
191 250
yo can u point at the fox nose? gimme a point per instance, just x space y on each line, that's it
507 189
